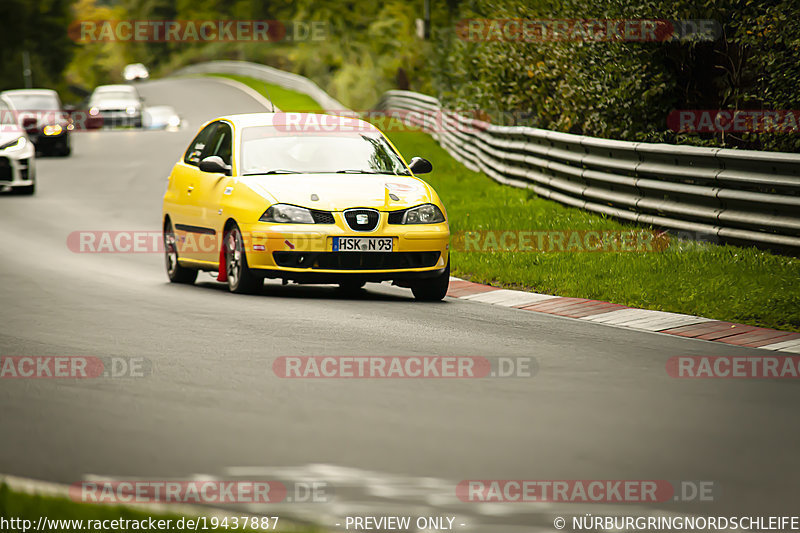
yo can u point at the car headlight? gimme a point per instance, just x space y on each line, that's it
287 214
130 110
16 144
52 129
423 214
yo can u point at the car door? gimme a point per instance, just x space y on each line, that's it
181 201
210 187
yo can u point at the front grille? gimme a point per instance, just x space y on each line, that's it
322 217
356 260
5 170
361 219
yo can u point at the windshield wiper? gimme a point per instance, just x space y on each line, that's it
274 171
356 171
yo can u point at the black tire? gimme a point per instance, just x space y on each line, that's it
175 272
352 285
433 289
241 279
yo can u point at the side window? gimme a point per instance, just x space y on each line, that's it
220 144
195 152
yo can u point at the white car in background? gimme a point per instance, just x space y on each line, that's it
117 105
161 117
135 71
17 153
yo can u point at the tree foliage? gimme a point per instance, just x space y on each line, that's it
621 90
40 28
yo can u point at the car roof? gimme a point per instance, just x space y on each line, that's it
42 92
245 120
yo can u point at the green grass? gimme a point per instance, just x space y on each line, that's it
721 282
15 504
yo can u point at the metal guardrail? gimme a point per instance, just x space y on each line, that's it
741 196
732 195
272 75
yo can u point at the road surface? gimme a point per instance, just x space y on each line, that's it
600 407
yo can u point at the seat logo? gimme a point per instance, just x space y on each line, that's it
362 219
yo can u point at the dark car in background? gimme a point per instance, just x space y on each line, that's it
43 118
117 105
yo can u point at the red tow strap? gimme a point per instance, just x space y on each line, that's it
222 274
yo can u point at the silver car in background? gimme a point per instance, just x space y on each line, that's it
117 105
17 153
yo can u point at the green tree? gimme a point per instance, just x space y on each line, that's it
40 28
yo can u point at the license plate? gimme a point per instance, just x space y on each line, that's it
362 244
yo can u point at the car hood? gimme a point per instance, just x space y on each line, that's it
336 192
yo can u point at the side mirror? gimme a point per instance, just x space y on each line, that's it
419 165
215 164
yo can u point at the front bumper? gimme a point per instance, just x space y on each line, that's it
47 142
119 118
304 252
17 169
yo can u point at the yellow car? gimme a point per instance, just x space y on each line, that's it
304 197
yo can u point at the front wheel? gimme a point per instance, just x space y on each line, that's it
241 279
433 289
175 272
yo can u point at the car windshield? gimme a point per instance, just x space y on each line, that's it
265 149
38 102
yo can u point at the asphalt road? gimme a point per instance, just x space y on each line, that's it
600 407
